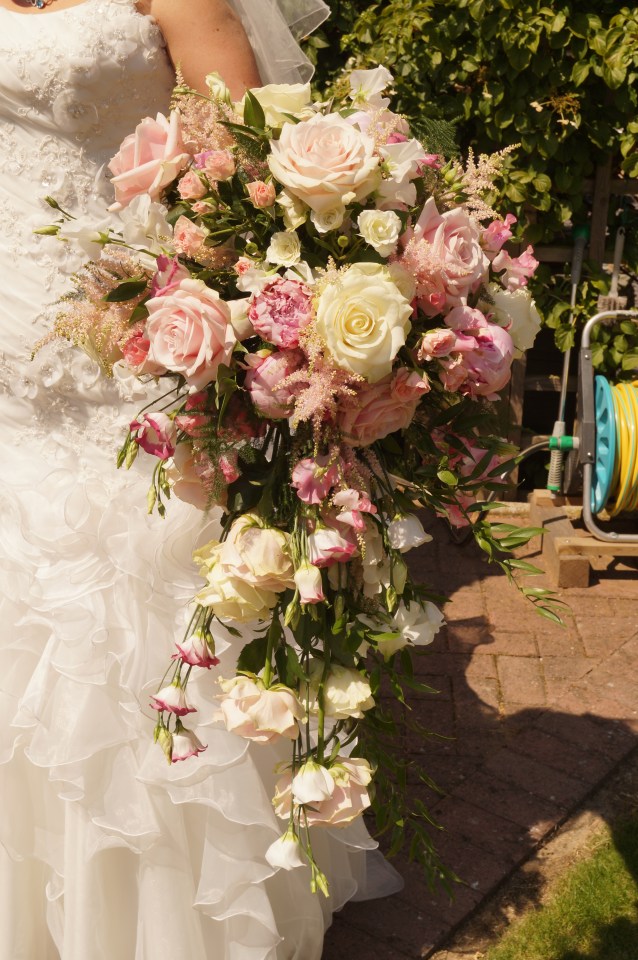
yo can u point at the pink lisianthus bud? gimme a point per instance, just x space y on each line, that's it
196 651
190 187
216 164
154 432
326 546
170 272
313 479
185 745
354 505
517 270
263 381
135 353
261 194
497 234
281 311
188 237
173 699
309 583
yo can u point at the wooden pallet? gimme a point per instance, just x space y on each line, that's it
566 552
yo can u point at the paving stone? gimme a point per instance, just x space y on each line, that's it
521 680
390 924
543 781
344 939
468 635
508 643
566 645
507 800
466 822
600 638
567 668
592 733
586 765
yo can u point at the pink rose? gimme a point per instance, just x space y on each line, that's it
216 164
135 352
281 311
154 432
190 332
190 187
436 343
148 160
497 234
517 269
188 237
327 546
261 194
444 255
168 276
263 381
383 407
313 479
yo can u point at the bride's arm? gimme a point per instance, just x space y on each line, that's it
204 36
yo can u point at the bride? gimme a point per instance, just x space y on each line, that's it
105 851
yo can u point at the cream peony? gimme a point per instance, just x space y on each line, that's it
364 319
381 229
325 162
346 692
516 311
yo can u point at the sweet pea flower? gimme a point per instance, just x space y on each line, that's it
406 532
497 234
285 852
155 432
517 270
326 546
184 745
314 478
309 583
311 783
354 505
418 623
173 699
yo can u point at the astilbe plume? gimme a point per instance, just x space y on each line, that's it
478 180
201 121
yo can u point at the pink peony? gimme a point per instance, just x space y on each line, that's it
173 699
168 275
261 194
263 381
216 164
188 238
281 311
148 160
155 432
190 187
497 234
482 367
185 745
313 479
518 270
326 546
383 407
190 332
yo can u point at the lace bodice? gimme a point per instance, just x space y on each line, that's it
73 83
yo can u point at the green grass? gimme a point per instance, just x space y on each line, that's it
592 912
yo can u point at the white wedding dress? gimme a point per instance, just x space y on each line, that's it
105 850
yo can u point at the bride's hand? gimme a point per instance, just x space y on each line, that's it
203 36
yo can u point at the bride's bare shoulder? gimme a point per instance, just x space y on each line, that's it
203 12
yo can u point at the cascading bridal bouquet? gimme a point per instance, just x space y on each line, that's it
329 309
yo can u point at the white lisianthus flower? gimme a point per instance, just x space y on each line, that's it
381 229
346 692
418 624
366 85
279 99
184 745
309 583
251 711
217 88
364 319
145 225
405 533
516 311
295 211
284 249
312 783
328 220
90 240
285 852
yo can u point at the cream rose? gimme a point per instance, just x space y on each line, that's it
230 596
294 211
324 160
346 692
517 312
381 229
284 249
364 319
258 554
279 99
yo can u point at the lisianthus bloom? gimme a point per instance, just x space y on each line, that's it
185 744
258 713
285 853
326 546
281 311
155 433
172 698
309 583
312 782
314 478
406 532
348 800
346 692
196 651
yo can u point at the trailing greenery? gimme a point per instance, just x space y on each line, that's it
559 78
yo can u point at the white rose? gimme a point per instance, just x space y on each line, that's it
346 692
381 229
323 160
295 212
515 310
328 220
407 532
364 319
284 249
258 554
278 99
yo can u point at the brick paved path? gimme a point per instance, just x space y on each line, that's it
539 716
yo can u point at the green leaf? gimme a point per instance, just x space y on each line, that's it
126 290
580 72
254 115
253 656
448 478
